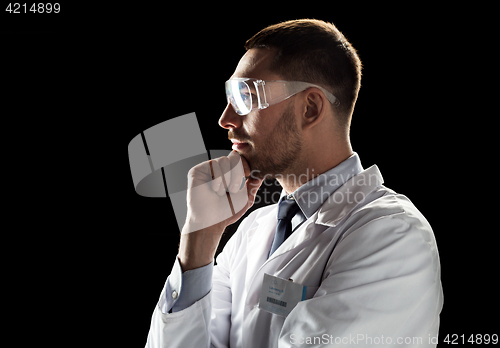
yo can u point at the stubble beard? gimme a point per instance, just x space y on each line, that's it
276 156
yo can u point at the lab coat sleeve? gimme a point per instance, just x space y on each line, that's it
193 326
186 328
381 287
206 323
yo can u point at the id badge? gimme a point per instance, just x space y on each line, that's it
280 296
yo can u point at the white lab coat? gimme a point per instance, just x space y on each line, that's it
370 264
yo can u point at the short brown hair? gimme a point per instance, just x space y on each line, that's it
314 51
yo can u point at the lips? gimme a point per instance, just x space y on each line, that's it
239 145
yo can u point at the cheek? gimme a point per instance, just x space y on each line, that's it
253 128
261 125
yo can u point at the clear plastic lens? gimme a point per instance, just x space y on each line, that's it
239 94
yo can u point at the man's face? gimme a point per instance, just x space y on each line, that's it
269 139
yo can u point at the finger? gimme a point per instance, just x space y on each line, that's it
216 175
237 173
247 171
246 167
221 190
253 185
225 167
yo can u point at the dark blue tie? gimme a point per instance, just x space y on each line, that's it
287 209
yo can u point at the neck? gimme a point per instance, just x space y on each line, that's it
313 165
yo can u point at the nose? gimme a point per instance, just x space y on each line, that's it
230 119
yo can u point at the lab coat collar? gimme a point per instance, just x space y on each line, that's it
311 195
348 196
339 205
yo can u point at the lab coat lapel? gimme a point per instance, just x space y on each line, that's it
259 245
353 193
259 240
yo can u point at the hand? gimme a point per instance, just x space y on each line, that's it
217 197
217 192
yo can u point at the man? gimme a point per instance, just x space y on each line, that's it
363 257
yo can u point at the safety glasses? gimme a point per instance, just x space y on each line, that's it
246 94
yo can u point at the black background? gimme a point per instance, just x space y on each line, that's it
79 86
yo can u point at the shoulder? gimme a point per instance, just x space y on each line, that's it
386 207
389 227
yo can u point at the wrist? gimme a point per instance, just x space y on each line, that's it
195 223
197 249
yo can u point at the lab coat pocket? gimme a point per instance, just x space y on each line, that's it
310 291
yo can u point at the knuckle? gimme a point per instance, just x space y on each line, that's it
192 171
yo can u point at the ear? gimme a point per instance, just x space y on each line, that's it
314 108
